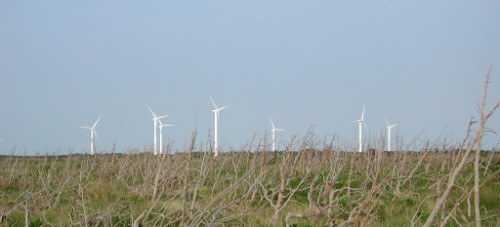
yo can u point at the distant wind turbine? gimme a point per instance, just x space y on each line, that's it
92 132
389 127
216 111
155 125
161 126
274 130
361 123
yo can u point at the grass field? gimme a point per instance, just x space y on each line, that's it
309 187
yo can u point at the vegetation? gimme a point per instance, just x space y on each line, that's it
309 187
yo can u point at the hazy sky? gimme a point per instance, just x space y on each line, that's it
305 63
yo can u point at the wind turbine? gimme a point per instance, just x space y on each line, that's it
92 131
274 130
216 111
161 126
155 123
389 127
361 123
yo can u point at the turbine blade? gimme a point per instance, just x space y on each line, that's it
85 127
215 106
224 107
366 127
95 124
96 135
272 123
162 116
150 110
363 113
386 121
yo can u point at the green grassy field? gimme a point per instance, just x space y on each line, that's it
302 188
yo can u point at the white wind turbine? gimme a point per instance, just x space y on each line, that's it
274 130
161 126
155 125
361 123
92 132
216 111
389 127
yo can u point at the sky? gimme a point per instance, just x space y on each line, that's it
310 65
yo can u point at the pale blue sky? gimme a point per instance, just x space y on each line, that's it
65 63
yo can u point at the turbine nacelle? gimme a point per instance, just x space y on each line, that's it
155 116
92 132
362 119
92 129
274 129
158 118
216 110
389 126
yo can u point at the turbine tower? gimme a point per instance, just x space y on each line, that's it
389 127
274 130
216 111
161 126
92 132
361 123
155 123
